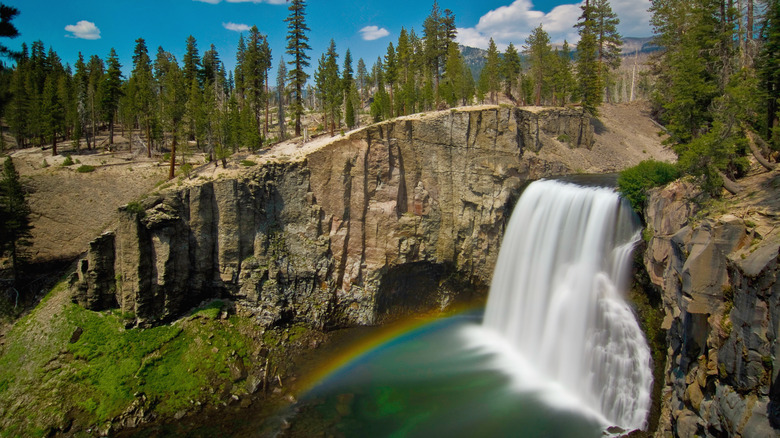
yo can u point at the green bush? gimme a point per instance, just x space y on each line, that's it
185 169
68 161
85 168
634 182
248 163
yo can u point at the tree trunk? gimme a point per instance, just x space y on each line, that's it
111 132
730 186
391 101
148 141
172 170
54 145
14 261
752 140
265 130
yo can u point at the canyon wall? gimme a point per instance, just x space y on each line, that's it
400 216
718 273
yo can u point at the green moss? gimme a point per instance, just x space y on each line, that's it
137 208
96 378
647 234
211 310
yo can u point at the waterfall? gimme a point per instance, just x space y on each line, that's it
556 297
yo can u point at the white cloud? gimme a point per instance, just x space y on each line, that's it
514 22
85 30
236 27
270 2
370 33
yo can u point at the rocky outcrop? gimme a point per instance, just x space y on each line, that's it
400 215
718 274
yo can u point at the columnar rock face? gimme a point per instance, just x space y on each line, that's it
721 298
398 216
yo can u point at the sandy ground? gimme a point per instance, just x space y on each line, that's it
69 208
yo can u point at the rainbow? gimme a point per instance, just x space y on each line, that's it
386 337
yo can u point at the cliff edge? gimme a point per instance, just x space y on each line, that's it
395 217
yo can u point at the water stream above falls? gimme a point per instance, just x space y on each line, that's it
557 352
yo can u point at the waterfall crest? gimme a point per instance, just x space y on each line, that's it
556 297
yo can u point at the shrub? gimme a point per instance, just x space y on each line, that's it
185 169
248 163
634 182
85 168
68 161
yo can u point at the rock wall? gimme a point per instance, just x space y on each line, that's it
718 274
398 216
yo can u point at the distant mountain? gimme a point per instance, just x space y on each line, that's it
475 58
644 45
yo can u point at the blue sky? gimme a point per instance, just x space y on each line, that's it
365 27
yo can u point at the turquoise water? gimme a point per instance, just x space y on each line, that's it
436 381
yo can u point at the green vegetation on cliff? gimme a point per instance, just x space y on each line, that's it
63 365
634 182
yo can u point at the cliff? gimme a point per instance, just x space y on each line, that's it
717 267
403 215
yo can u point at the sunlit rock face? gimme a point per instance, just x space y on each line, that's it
722 305
328 239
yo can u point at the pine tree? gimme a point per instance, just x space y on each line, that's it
454 87
81 85
14 216
333 86
608 40
8 30
143 90
490 79
111 91
297 46
537 49
380 106
404 102
769 70
349 91
563 76
511 67
281 92
95 69
52 111
588 71
239 77
173 99
362 80
391 73
17 114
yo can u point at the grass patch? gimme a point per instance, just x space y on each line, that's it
248 163
85 168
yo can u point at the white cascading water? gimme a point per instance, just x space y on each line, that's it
556 297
